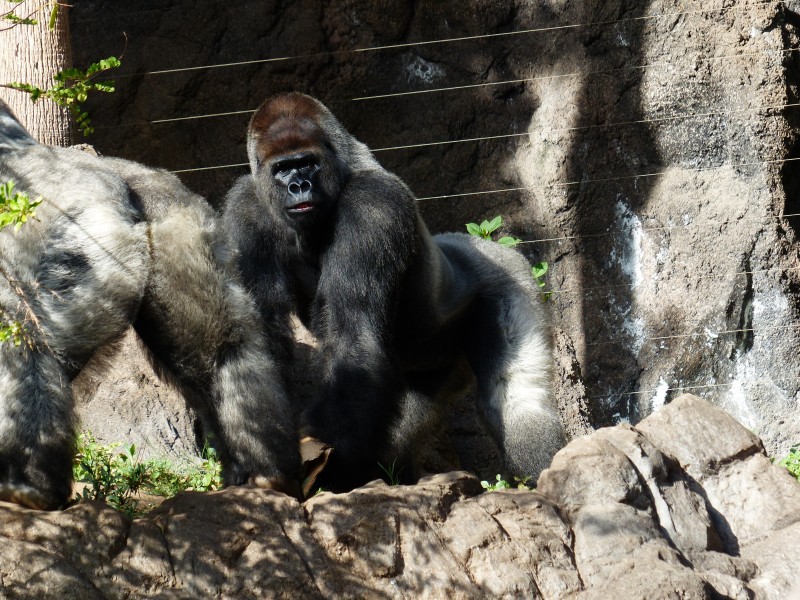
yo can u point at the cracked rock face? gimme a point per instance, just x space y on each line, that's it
685 506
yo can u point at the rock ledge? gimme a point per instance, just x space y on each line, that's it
685 505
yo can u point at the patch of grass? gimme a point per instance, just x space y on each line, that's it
392 473
113 472
792 462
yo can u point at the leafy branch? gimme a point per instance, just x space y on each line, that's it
71 88
15 210
15 207
10 15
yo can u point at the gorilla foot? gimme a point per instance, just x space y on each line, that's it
29 497
314 455
289 487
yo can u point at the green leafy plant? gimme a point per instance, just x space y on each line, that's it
10 15
110 475
15 207
502 484
165 479
392 473
11 331
792 462
114 473
71 88
487 228
538 271
485 231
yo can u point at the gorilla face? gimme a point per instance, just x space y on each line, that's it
303 186
298 187
298 174
296 168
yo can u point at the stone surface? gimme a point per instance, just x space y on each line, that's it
616 516
119 398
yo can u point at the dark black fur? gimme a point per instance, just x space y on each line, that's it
321 229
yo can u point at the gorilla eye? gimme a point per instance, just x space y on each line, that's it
306 165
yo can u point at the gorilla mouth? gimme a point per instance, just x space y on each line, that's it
301 208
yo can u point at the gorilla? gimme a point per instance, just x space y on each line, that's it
322 231
116 244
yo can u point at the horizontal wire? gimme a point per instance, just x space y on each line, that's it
189 118
659 228
567 75
196 169
460 39
470 86
544 128
634 286
601 180
683 388
674 117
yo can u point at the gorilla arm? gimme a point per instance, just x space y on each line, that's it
204 333
260 245
354 311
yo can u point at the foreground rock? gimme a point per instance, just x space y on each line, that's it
685 505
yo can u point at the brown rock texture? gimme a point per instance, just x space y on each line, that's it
684 506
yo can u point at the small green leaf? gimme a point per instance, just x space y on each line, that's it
508 241
53 16
474 229
494 224
539 269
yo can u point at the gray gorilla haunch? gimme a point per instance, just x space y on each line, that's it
117 244
322 230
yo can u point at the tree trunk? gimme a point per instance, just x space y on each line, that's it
34 54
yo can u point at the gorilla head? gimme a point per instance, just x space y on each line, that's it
291 145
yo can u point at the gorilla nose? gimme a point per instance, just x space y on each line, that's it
300 188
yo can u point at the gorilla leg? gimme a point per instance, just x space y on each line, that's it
205 330
80 270
511 355
511 363
36 429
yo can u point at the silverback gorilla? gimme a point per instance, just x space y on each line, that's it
322 230
114 244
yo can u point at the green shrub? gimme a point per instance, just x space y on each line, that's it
502 484
117 476
487 228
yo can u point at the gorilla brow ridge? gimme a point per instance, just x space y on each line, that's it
287 123
286 135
